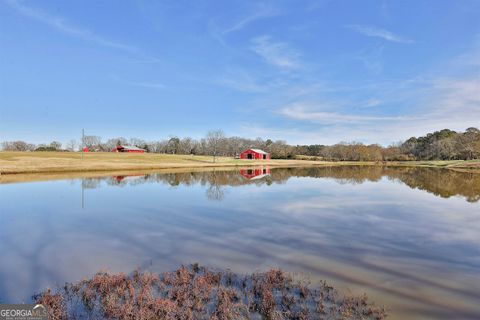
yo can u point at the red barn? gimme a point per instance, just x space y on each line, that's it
130 149
255 154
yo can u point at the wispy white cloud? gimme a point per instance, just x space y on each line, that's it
456 95
307 89
370 103
452 103
371 31
384 112
470 58
279 54
261 12
242 81
150 85
425 103
146 60
372 59
62 25
311 113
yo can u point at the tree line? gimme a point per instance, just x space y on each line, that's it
439 145
446 183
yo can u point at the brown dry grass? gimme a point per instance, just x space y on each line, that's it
54 162
199 293
62 162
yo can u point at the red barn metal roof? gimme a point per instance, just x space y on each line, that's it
130 148
257 151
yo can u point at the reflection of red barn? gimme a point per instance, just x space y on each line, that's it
255 154
129 177
255 173
130 149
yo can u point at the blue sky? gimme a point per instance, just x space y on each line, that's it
301 71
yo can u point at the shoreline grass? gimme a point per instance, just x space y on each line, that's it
70 162
197 292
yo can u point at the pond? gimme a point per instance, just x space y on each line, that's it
408 237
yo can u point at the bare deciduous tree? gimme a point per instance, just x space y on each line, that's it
113 143
17 146
92 142
213 140
72 145
56 145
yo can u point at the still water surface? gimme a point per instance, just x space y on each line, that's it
409 238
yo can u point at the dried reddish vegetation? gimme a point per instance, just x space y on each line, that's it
198 293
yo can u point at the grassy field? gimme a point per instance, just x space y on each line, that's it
62 162
51 162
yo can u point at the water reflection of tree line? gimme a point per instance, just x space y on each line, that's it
441 182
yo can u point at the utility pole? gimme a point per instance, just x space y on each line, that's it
83 193
83 141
